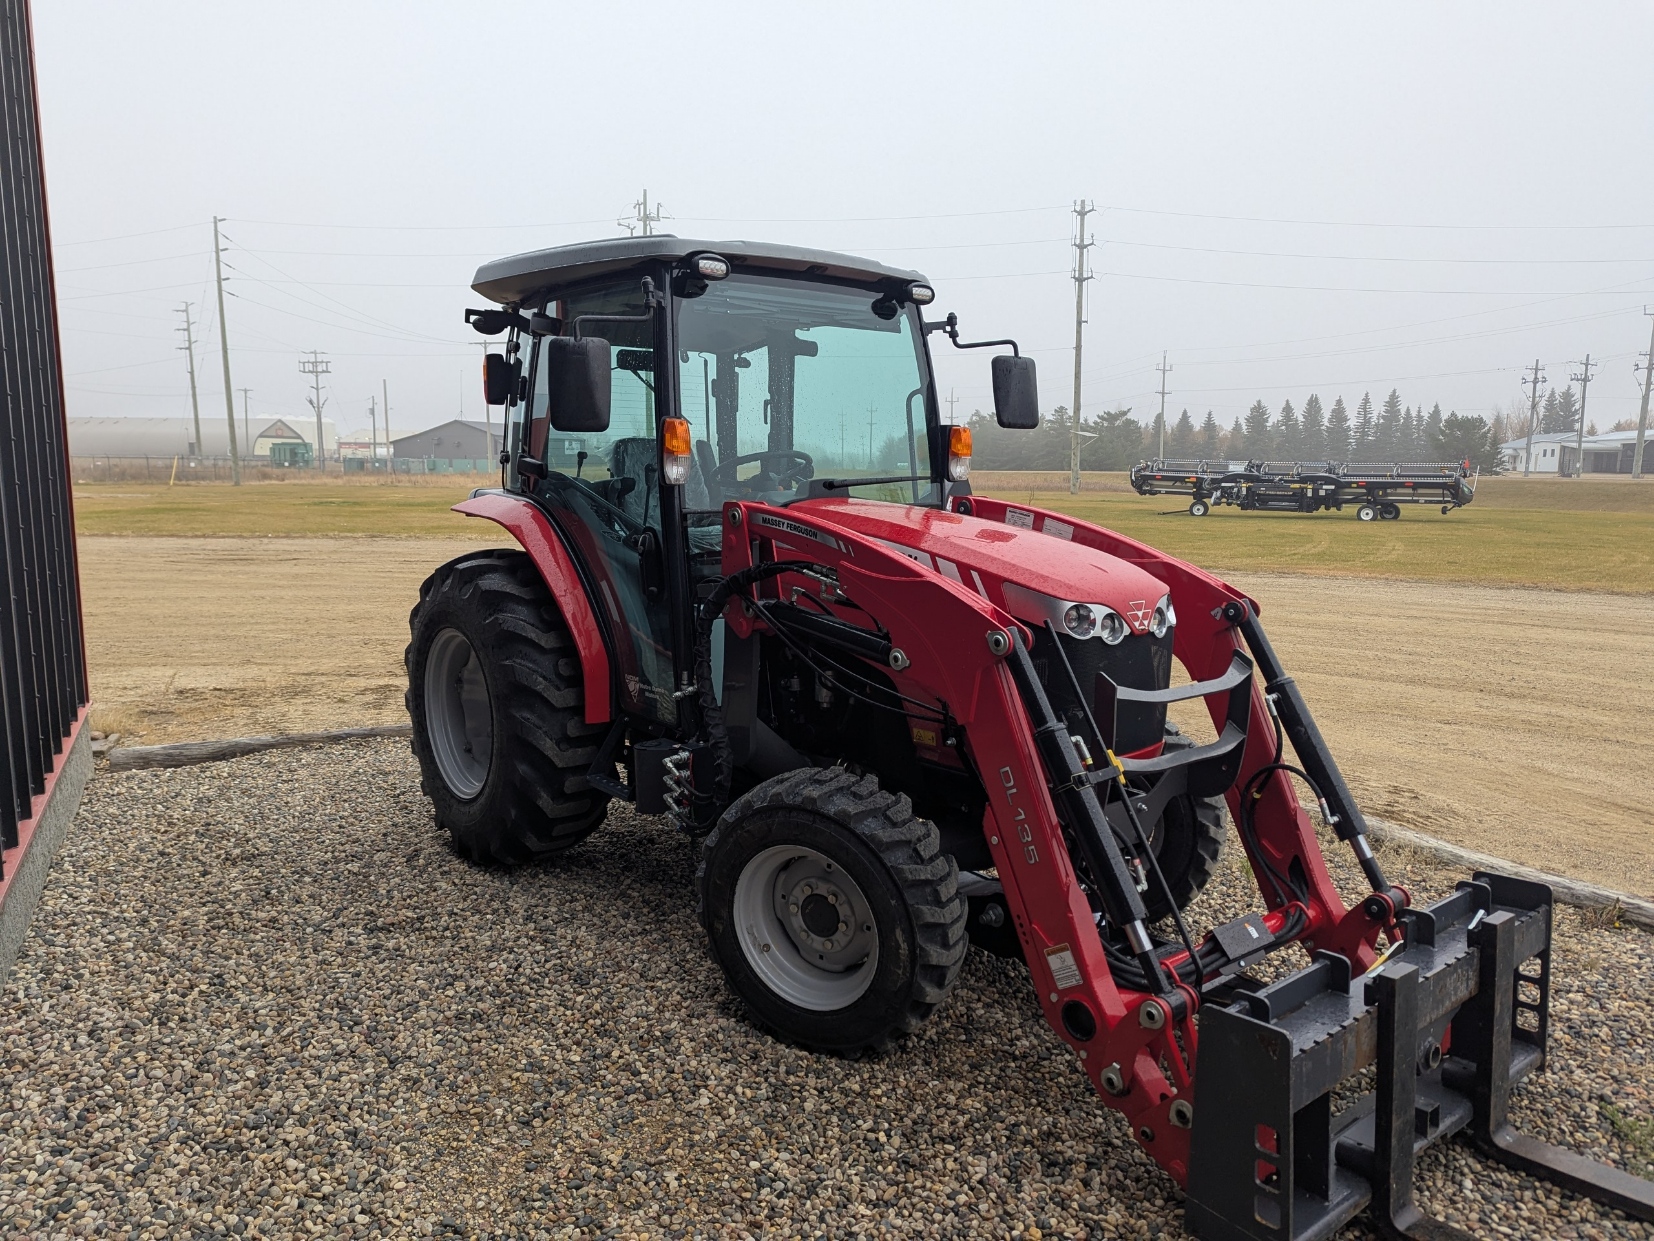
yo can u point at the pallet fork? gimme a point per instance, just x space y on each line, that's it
1448 1023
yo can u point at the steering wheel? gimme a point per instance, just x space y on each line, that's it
781 467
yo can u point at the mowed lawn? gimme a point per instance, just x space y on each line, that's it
1563 534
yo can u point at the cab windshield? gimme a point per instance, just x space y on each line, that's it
783 381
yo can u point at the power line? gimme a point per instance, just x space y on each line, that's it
1363 258
1082 273
316 367
1583 379
224 347
1164 371
1258 219
1333 288
189 349
1647 385
1533 415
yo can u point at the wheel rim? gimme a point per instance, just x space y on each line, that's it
785 899
459 716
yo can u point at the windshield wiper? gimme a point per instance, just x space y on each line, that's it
836 484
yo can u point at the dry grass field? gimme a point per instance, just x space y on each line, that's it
1500 707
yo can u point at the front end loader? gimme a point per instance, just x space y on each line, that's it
756 594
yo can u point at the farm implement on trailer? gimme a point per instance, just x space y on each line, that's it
1376 491
902 718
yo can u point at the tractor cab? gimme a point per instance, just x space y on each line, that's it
696 373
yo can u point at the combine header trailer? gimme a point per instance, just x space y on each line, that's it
900 718
1377 491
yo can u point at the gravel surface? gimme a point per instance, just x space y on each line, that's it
263 998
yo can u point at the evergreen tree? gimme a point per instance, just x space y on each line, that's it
1257 441
1289 434
1119 442
1567 410
1362 432
1180 441
1313 431
1550 414
1339 442
1234 442
1467 438
1211 439
1433 431
1387 435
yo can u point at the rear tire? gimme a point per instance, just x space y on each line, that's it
1389 512
808 847
496 698
1199 508
1187 842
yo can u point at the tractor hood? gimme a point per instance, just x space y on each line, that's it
988 557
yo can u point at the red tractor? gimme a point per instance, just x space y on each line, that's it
756 594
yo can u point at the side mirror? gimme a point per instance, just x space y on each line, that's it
499 379
577 382
1016 393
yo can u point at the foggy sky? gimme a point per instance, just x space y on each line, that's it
1296 198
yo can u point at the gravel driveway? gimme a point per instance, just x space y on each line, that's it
262 998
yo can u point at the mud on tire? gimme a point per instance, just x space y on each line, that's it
891 872
533 800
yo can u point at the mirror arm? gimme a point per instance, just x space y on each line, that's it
950 325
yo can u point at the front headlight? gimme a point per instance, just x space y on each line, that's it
1113 630
1080 620
1164 617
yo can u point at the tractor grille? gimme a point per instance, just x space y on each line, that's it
1139 662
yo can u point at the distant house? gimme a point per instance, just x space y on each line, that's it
455 440
1554 452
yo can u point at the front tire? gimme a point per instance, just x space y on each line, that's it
1199 508
1187 842
832 910
1367 512
496 699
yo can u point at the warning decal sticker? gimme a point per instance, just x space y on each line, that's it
1064 971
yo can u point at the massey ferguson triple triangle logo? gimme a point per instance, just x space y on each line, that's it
1138 612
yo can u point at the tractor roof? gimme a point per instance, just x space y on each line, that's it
515 278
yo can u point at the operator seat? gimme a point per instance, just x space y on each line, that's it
635 458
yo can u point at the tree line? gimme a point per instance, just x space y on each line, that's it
1114 440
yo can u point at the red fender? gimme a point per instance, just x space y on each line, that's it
545 547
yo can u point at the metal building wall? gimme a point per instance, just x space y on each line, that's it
42 656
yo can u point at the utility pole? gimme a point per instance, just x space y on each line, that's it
189 352
1082 273
1642 416
1533 416
224 348
246 425
872 413
1583 379
385 392
642 217
951 401
373 429
316 367
1164 371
